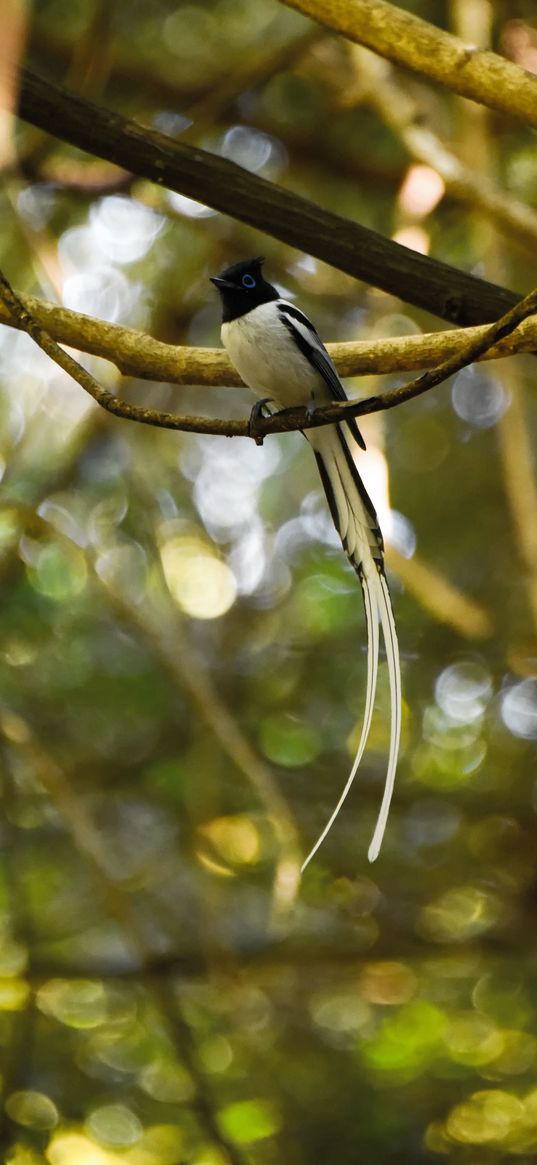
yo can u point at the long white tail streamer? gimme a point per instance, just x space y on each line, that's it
356 521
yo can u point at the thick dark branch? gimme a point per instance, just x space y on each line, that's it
436 287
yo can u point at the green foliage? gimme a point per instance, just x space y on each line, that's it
183 660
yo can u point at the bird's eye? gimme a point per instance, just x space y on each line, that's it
248 281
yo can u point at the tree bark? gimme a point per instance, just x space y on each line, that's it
427 283
407 40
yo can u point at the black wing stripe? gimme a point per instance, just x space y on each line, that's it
288 309
329 374
301 341
316 355
329 491
365 499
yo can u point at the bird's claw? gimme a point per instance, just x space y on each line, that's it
256 416
311 408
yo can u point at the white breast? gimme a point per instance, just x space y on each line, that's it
266 357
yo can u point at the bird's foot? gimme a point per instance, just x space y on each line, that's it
257 414
311 408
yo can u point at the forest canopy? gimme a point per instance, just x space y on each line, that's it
183 642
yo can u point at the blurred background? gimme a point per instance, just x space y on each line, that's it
183 644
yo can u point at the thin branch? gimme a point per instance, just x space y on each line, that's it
400 111
175 654
118 905
389 400
287 420
476 347
440 597
514 431
109 402
434 286
133 352
308 957
517 447
407 40
251 72
14 21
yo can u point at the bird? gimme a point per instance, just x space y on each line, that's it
277 352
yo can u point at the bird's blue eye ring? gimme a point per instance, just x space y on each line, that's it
248 281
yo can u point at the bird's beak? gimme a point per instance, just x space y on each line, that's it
220 283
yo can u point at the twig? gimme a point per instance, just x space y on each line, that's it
14 21
299 418
287 420
516 447
476 347
440 597
109 402
514 432
407 40
401 113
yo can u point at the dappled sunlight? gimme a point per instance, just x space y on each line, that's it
496 1118
67 1147
519 709
257 152
413 237
123 230
79 1005
183 642
480 400
463 691
421 191
33 1110
200 583
236 839
461 914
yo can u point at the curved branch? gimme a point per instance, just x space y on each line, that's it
412 42
139 355
287 420
400 111
477 346
434 286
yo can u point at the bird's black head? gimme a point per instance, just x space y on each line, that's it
242 288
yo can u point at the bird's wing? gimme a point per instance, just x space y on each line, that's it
356 521
312 347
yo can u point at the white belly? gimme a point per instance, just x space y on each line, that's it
267 359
